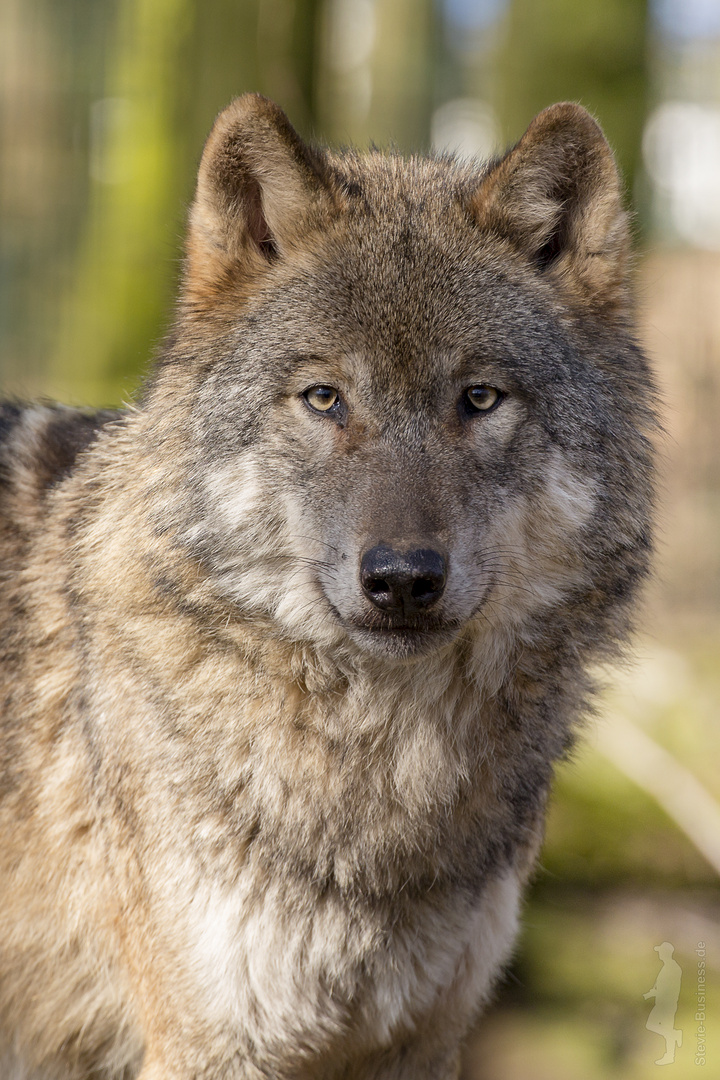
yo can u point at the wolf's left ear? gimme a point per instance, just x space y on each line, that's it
260 190
557 197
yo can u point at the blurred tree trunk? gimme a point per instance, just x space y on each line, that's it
173 65
593 52
376 74
52 58
114 303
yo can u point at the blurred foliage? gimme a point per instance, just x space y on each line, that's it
99 167
123 92
617 877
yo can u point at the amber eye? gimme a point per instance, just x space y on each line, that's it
482 398
322 398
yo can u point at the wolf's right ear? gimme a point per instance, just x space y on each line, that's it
260 189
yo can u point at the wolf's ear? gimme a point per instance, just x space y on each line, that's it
260 189
557 197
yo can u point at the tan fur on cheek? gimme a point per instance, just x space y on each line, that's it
538 538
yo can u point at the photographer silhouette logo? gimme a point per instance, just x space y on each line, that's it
666 992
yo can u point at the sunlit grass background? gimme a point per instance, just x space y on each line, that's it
104 107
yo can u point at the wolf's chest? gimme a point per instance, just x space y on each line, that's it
270 960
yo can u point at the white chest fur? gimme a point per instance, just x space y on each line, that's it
319 972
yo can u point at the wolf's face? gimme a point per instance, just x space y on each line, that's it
400 432
391 472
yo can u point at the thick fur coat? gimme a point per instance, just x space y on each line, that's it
289 648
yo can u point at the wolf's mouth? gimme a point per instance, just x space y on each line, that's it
402 639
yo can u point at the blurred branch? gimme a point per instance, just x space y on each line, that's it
674 788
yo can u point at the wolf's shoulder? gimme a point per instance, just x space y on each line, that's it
39 445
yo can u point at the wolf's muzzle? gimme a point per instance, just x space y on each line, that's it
403 582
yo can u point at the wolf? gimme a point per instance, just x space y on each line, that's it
291 645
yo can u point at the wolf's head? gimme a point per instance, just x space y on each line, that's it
416 402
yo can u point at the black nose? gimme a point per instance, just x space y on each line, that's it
403 582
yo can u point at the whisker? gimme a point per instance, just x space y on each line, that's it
315 540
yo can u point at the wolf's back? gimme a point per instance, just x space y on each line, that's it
39 445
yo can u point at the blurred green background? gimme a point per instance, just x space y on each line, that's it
104 107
